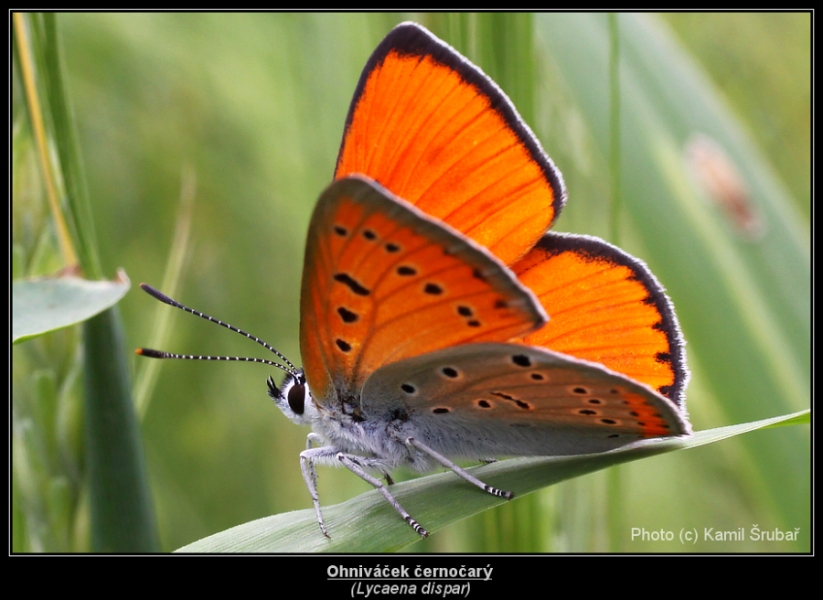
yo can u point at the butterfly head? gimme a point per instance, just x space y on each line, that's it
293 397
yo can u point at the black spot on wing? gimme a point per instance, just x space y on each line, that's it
347 315
351 283
521 360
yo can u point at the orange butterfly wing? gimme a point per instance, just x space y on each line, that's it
382 282
431 127
606 307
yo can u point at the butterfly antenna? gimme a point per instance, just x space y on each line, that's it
291 369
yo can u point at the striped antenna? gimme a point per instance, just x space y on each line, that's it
291 369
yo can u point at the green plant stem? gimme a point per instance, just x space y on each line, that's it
122 511
122 514
614 126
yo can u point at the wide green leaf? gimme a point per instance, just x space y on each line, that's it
46 304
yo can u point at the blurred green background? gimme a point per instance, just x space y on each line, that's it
253 106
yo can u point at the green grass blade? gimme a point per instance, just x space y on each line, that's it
368 524
77 201
743 301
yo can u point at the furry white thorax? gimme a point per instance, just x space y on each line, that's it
353 434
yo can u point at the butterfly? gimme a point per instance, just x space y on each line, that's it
438 318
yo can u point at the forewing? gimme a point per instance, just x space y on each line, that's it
436 131
382 282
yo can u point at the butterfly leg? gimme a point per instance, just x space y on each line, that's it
418 445
307 460
311 439
352 463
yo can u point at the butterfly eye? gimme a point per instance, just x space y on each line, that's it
297 398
